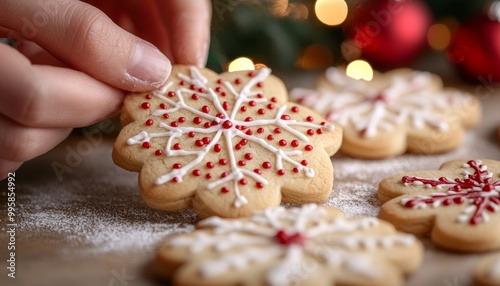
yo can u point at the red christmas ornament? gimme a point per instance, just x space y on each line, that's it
389 33
475 50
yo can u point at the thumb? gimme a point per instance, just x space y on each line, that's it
85 38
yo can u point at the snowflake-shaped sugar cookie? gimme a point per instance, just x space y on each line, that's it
225 144
399 111
458 205
311 245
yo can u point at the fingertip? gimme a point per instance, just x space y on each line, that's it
148 68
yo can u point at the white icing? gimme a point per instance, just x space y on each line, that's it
370 109
338 241
245 95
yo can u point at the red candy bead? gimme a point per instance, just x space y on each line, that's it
158 152
146 145
149 122
145 105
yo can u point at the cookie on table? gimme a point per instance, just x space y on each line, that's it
225 144
400 111
487 271
311 245
457 204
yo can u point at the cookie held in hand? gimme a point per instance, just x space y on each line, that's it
399 111
458 204
225 144
311 245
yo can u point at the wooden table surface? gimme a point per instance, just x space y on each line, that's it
80 220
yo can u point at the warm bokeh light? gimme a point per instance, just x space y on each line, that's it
331 12
297 11
315 57
241 64
360 69
259 66
439 36
279 8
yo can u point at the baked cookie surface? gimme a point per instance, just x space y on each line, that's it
457 205
311 245
398 111
225 144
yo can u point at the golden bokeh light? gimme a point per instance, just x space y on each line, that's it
315 57
359 69
241 64
439 36
331 12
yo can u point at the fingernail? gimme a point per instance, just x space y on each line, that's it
148 65
202 56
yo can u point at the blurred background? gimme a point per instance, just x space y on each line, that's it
462 36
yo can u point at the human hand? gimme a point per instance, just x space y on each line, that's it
73 64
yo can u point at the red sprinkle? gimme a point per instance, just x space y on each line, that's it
248 119
295 109
310 132
199 143
224 174
225 105
283 142
248 156
241 163
277 130
257 171
227 124
222 161
174 124
260 130
148 96
158 152
218 89
165 115
251 74
177 166
197 120
145 105
285 117
182 82
210 165
281 172
149 122
177 146
260 95
217 148
194 96
308 147
219 81
196 173
270 106
243 181
205 109
206 140
266 165
304 162
191 134
171 93
310 118
243 108
208 176
192 87
259 185
181 119
295 143
319 131
261 111
237 81
252 103
260 84
146 145
249 132
224 190
163 106
270 137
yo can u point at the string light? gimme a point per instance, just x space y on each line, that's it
359 69
241 64
331 12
